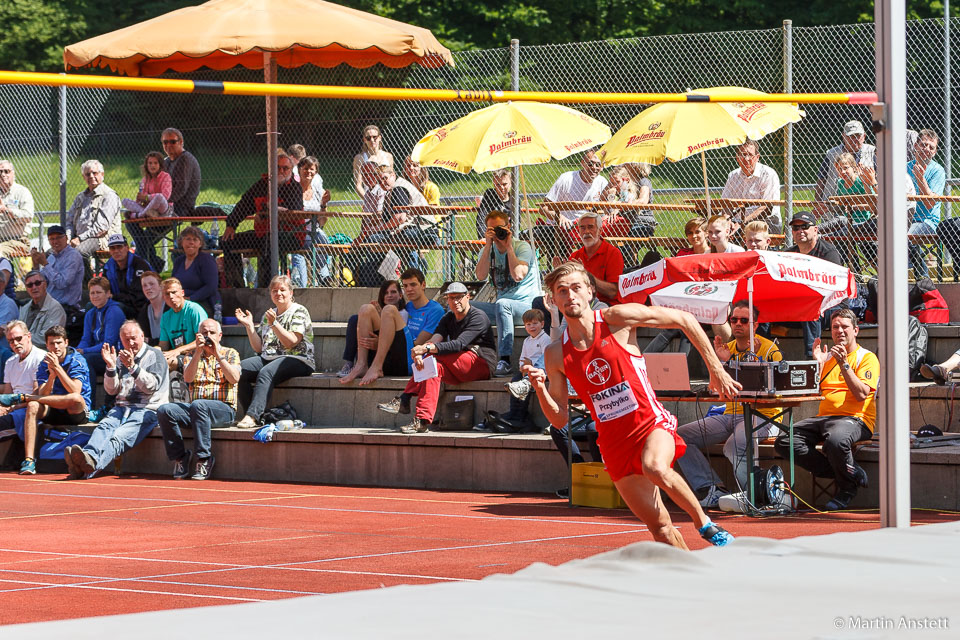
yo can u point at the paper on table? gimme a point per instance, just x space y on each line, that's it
429 370
388 268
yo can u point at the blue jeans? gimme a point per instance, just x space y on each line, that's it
201 415
122 430
298 263
505 314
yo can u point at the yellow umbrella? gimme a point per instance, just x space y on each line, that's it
673 131
509 134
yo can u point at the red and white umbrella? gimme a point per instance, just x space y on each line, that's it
783 286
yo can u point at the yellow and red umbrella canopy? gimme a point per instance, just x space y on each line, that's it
510 134
222 34
672 131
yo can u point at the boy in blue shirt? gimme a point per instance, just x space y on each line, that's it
394 332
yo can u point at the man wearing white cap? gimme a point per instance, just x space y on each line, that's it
853 142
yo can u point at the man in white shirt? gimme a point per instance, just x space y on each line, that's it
754 180
583 185
19 376
16 211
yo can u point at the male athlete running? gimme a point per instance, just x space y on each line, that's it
636 435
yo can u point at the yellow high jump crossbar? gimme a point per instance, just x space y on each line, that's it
166 85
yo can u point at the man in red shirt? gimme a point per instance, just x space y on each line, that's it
598 256
638 439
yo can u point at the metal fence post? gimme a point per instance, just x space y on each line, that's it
788 131
947 147
893 390
63 165
515 86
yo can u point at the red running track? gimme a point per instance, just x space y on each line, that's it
123 545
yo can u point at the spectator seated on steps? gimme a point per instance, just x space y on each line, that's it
464 350
393 333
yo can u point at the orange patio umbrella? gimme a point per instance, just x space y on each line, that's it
222 34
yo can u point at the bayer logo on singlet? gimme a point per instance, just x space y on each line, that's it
598 371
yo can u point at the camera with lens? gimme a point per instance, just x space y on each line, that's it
501 232
207 341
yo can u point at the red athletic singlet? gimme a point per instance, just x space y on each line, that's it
613 383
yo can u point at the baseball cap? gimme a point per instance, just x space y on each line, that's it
929 431
454 288
853 128
55 229
116 239
803 216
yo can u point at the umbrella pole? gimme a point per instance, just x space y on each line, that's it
706 188
750 310
269 77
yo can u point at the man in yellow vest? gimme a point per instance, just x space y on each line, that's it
848 413
727 427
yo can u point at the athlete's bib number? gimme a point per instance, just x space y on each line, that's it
614 402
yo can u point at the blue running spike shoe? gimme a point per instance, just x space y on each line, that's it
29 467
715 534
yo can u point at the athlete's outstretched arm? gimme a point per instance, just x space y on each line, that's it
553 401
638 315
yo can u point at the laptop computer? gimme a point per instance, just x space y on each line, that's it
668 374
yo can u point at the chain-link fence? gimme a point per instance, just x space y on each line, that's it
351 246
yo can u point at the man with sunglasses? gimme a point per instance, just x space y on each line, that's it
43 311
256 201
807 240
16 211
184 173
465 350
20 376
583 185
727 427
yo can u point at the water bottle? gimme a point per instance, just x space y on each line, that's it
249 272
289 425
218 313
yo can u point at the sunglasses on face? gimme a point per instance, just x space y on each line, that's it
735 320
34 283
370 137
6 170
801 227
169 141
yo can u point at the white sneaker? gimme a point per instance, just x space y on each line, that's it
345 370
712 499
519 389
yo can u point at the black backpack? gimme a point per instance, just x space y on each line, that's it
276 414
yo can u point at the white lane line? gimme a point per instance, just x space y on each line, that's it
44 585
90 580
333 509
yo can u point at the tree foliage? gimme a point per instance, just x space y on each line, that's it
35 31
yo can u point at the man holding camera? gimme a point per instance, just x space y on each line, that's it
212 375
512 268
